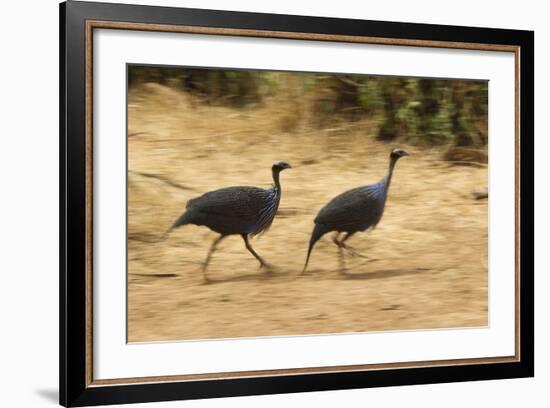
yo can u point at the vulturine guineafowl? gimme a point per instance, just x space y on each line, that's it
353 211
246 211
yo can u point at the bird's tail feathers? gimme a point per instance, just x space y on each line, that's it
182 220
318 232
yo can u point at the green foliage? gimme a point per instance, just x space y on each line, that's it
216 87
433 111
418 111
369 95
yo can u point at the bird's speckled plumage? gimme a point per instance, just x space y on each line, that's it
234 210
355 210
242 210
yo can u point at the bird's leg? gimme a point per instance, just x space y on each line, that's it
335 239
341 256
352 250
340 253
263 264
210 252
341 242
347 247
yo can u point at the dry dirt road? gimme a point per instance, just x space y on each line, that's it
430 249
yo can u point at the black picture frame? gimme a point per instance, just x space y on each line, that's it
75 388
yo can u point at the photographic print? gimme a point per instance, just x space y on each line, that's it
266 203
259 204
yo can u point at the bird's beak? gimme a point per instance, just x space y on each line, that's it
405 153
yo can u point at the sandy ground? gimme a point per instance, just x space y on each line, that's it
429 252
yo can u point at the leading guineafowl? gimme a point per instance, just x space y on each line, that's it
246 211
354 210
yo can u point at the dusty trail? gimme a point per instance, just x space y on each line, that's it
430 249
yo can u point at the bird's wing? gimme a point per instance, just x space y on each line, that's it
237 202
356 208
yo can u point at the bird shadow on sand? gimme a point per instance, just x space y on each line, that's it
384 274
258 277
155 275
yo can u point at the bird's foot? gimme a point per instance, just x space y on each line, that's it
268 268
354 252
365 257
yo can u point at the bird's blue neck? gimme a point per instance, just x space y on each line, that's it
277 184
387 178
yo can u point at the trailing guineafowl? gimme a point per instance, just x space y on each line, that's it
355 210
246 211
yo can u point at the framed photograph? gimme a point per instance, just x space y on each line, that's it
257 204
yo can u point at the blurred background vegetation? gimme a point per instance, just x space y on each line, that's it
424 112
